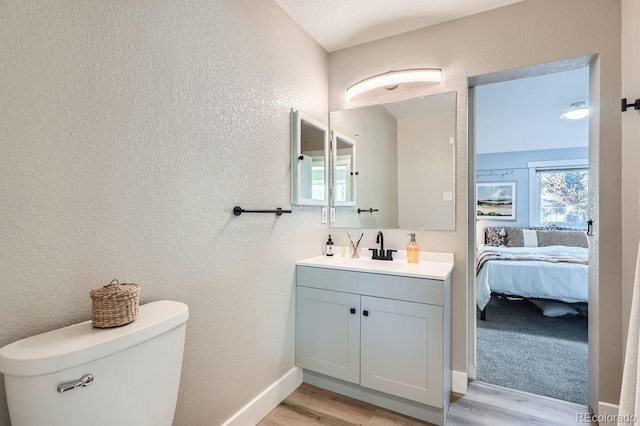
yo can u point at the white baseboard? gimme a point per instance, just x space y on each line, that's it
459 382
263 404
607 414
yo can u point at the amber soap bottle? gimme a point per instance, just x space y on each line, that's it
413 250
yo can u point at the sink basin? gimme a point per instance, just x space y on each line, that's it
432 265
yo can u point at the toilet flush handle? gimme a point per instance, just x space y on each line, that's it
85 380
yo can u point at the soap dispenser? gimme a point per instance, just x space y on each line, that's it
413 250
329 251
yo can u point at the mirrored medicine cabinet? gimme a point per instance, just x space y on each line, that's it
309 161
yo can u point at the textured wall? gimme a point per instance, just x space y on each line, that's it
128 131
521 35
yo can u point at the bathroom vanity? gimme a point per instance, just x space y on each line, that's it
378 331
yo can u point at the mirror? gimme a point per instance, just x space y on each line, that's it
309 160
344 169
405 176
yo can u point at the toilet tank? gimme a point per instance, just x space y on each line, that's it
135 372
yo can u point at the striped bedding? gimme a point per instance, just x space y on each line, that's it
551 272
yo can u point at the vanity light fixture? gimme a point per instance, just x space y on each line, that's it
392 79
578 111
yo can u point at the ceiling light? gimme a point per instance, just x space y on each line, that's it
394 78
577 111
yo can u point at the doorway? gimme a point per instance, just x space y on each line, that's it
520 147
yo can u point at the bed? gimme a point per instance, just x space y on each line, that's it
542 263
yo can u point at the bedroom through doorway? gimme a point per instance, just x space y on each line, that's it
531 205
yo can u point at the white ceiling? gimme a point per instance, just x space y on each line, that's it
517 115
336 24
524 114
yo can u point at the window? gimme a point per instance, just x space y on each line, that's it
317 178
343 170
559 193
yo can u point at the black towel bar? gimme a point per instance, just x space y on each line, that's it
237 210
367 210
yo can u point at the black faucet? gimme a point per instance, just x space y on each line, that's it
380 240
381 254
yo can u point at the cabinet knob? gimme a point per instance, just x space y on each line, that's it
365 313
353 310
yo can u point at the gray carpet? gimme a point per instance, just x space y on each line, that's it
521 349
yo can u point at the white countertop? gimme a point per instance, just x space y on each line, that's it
436 266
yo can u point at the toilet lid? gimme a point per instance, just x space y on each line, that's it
78 344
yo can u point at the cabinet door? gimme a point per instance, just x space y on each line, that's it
401 349
328 332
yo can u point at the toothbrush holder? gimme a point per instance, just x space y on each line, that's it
354 250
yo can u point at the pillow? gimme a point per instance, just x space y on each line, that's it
562 238
555 309
495 237
515 237
546 236
530 238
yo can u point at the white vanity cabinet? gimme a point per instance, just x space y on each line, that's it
328 332
401 349
379 337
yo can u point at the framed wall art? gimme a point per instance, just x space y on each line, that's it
496 201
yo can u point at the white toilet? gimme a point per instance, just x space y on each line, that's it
80 375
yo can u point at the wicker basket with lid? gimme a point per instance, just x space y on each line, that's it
115 304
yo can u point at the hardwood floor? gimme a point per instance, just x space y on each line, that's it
310 405
484 404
